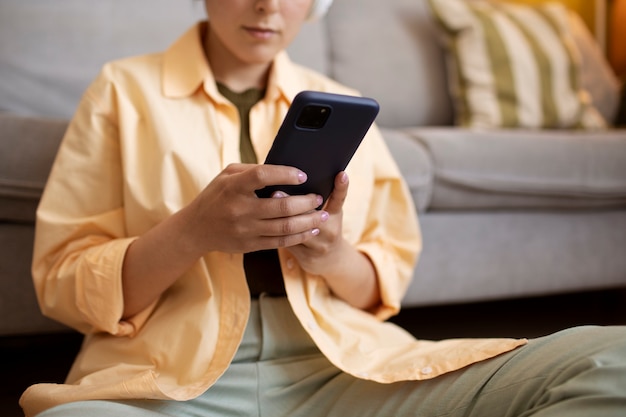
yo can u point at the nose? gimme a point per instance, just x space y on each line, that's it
267 6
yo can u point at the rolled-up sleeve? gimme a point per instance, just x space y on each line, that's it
391 238
80 239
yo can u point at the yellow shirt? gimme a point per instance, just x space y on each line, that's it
150 133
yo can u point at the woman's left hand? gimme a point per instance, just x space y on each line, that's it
349 273
318 255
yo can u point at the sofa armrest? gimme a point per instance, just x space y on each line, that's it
28 146
525 169
414 162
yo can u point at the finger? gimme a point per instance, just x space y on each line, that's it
238 168
339 194
273 242
282 205
260 176
279 194
294 225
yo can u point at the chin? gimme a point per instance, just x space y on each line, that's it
261 57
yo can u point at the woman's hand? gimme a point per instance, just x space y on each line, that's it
348 272
226 216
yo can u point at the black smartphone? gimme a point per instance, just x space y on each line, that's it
319 135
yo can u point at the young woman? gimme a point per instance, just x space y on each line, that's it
199 299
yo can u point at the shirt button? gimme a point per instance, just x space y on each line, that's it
426 370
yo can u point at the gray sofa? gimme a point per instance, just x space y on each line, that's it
504 213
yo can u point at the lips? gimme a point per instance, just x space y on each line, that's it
259 32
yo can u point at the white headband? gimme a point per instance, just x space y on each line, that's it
319 9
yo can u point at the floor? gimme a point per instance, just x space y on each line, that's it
46 358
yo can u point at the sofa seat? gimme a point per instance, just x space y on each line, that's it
504 169
483 255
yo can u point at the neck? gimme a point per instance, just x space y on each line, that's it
240 79
231 71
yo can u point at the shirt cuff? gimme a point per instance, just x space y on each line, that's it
99 293
393 280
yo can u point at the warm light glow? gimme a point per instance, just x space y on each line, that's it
585 8
617 38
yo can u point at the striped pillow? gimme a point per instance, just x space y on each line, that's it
514 65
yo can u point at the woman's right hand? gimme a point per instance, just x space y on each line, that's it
228 216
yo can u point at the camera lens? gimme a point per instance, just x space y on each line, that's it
313 117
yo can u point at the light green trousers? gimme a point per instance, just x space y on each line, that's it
278 372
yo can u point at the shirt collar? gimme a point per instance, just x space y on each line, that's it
185 68
283 80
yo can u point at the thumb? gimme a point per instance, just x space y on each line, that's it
339 194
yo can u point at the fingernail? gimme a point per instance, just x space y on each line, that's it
325 216
279 194
315 232
344 178
301 177
319 200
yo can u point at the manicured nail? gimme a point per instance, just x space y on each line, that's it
325 216
301 177
279 194
343 178
315 232
319 200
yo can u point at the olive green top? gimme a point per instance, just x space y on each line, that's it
262 267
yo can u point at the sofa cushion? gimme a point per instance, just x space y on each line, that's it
50 51
311 47
514 168
393 57
514 65
28 146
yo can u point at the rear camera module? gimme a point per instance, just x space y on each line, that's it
313 117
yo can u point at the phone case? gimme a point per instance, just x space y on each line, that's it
321 150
